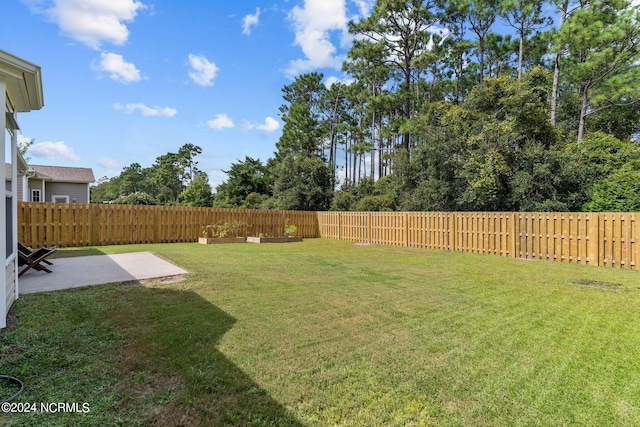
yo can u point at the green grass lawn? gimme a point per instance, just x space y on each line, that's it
329 333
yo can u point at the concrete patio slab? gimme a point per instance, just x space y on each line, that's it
97 270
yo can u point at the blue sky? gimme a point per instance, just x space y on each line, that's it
128 80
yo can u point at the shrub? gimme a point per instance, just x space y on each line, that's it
619 192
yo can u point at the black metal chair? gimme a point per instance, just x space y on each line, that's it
34 259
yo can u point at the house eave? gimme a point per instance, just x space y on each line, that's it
24 82
23 167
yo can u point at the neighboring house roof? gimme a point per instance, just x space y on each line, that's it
22 168
63 174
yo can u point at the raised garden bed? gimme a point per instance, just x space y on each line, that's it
216 240
282 239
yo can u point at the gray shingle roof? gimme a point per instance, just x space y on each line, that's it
8 167
58 173
64 174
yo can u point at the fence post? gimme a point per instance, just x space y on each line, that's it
94 225
592 238
634 242
406 229
453 233
513 235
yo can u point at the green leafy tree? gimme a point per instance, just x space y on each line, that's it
594 160
166 179
366 61
498 54
186 159
304 128
453 16
525 17
399 32
255 201
198 192
620 121
243 179
171 172
131 179
302 183
602 154
602 38
546 179
481 15
558 51
431 178
103 191
342 201
137 198
163 182
23 147
486 174
477 151
618 192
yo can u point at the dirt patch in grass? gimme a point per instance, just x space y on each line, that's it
165 280
598 284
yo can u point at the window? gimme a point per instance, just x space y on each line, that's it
60 199
35 196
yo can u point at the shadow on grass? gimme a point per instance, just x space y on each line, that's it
174 368
138 355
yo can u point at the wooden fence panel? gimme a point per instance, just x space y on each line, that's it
618 237
429 230
609 239
349 226
67 225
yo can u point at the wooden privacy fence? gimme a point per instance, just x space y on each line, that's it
605 239
75 224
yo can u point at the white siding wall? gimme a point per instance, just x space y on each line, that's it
10 274
7 281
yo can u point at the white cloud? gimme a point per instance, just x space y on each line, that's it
109 163
221 121
313 24
91 22
22 140
145 110
250 21
203 72
270 125
118 69
364 6
54 150
330 81
217 176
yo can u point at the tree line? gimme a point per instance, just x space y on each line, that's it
173 179
462 105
